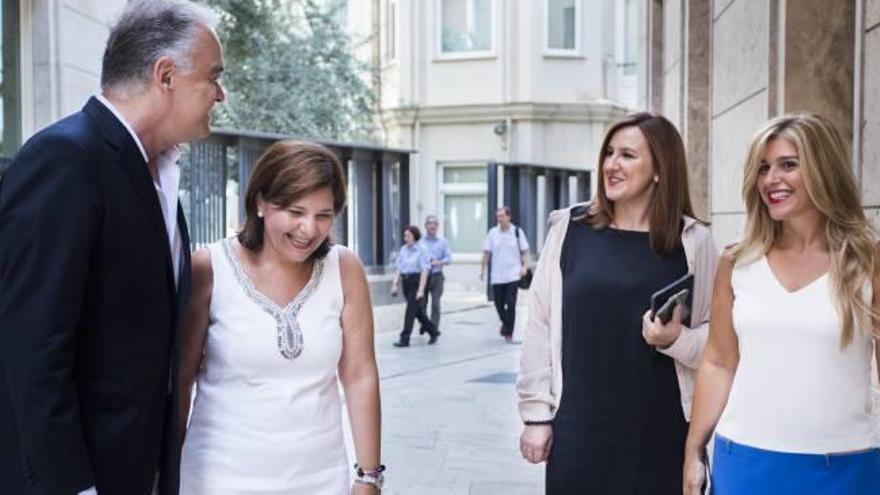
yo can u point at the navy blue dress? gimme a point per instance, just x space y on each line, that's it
620 427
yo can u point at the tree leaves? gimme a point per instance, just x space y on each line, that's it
290 69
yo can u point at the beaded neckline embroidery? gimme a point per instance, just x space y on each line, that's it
290 339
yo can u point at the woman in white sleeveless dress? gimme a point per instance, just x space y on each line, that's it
784 386
277 313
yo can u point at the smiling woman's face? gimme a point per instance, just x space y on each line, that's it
627 170
295 231
781 181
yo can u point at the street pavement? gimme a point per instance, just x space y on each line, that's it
449 419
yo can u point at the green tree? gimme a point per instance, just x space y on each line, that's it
291 69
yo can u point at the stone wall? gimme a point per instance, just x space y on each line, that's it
868 161
766 59
67 39
740 86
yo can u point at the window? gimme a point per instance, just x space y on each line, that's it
463 196
628 42
563 26
10 99
465 26
391 30
631 36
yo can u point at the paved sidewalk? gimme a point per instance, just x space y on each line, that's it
450 423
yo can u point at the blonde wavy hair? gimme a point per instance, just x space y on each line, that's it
831 187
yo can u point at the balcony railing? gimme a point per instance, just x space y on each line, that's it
217 170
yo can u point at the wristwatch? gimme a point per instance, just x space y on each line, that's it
376 480
373 477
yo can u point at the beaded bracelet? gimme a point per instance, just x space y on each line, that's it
539 422
375 472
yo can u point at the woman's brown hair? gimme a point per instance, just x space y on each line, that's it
671 197
416 233
286 172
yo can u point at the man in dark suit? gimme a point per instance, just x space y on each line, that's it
94 267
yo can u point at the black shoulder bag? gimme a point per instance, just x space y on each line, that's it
526 280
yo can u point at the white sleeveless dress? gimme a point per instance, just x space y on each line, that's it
267 417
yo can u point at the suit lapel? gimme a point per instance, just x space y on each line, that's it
131 162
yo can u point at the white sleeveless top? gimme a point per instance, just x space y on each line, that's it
266 418
795 390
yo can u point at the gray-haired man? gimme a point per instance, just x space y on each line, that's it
438 252
94 267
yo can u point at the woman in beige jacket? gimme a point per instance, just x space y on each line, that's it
620 427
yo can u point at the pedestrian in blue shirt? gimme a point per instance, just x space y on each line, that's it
413 265
439 254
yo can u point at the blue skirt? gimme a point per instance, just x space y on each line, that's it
742 470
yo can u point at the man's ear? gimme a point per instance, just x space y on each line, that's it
164 71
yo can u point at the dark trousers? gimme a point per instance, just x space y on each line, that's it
505 303
434 290
414 308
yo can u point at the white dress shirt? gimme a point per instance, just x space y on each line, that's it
506 252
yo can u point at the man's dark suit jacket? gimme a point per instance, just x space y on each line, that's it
88 315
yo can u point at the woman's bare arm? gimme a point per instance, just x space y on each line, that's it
357 367
193 329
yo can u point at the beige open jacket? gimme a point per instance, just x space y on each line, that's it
540 375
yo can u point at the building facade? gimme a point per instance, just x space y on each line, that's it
469 82
720 68
51 64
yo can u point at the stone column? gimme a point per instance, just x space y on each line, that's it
551 196
524 209
655 54
583 187
697 113
819 60
868 156
562 188
365 206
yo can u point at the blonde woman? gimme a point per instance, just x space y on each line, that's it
788 362
620 425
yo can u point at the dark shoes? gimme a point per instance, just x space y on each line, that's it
432 340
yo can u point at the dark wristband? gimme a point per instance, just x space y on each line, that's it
540 422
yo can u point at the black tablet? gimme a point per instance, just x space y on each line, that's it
679 292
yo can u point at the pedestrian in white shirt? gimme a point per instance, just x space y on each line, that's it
506 251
